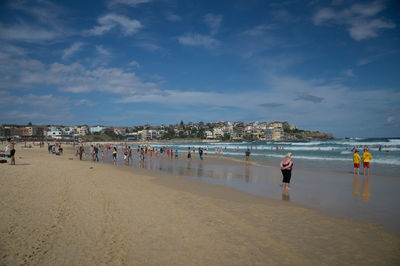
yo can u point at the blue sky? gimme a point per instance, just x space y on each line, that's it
322 65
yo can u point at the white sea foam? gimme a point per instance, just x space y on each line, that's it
394 141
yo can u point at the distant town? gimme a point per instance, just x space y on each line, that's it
214 131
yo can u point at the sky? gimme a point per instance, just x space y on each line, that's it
331 66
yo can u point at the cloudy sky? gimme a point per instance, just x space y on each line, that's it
323 65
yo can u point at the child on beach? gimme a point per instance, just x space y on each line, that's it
366 157
356 161
286 169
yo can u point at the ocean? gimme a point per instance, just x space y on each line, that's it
332 155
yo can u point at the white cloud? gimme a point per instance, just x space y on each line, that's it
362 29
102 51
150 46
73 78
359 19
77 89
85 102
134 64
324 15
27 33
8 50
107 22
258 30
47 100
198 40
132 3
73 49
214 22
173 17
375 57
43 10
349 73
43 21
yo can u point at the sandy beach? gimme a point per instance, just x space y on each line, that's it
57 210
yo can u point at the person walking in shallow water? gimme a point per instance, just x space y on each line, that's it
247 153
286 169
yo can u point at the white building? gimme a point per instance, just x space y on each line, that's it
209 134
96 129
218 133
81 130
274 133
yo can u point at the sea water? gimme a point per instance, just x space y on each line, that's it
332 155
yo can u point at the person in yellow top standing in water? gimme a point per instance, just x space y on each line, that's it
356 161
366 157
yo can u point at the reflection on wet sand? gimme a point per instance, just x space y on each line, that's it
365 189
189 162
200 170
356 186
247 173
285 195
264 181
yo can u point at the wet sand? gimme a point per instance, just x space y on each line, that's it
60 211
360 198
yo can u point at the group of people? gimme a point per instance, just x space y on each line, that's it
365 159
286 166
189 153
52 148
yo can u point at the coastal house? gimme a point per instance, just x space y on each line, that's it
133 136
81 130
96 129
25 132
274 131
10 130
69 131
35 130
209 134
54 132
218 133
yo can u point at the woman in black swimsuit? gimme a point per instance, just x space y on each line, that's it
286 168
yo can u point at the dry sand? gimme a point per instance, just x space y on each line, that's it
57 211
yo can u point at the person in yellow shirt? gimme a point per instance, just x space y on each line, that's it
366 157
356 161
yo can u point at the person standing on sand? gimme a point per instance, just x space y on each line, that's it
91 152
356 161
80 151
114 153
129 154
189 155
12 151
286 169
96 153
247 154
366 157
